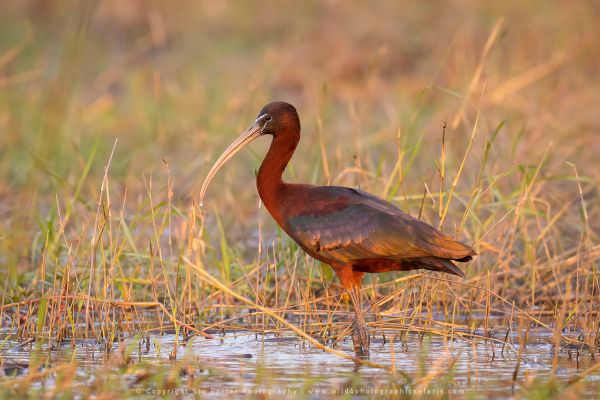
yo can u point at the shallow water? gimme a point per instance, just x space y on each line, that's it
245 363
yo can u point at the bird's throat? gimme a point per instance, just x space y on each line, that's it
269 181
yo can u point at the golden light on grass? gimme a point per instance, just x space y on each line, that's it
111 116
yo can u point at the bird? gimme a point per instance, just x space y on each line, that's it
349 229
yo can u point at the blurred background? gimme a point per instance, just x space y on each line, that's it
171 84
482 117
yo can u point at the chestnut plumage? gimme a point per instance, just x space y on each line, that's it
349 229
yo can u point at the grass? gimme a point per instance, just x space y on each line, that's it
482 124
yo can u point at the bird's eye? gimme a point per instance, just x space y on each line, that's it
267 118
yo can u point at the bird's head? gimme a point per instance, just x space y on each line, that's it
278 119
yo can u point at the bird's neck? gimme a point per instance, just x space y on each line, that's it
269 180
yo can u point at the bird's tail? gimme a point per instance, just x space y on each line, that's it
440 245
442 265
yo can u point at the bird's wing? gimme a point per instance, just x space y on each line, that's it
345 224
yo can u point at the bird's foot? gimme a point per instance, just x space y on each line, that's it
360 339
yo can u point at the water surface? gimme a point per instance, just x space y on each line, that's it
242 363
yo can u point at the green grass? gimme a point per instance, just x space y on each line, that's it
476 117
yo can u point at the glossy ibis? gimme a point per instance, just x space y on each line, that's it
349 229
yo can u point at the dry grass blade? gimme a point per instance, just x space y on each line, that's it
478 71
206 277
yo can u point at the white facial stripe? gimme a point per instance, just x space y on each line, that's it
260 119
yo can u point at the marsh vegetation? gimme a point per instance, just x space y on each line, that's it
478 118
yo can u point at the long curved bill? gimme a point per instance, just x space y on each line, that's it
246 137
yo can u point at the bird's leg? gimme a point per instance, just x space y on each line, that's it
351 280
360 333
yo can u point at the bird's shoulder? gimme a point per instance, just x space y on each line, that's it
316 201
339 220
335 217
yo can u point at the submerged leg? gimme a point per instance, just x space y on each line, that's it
360 333
351 280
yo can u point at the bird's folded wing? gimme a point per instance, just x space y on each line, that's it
364 226
356 232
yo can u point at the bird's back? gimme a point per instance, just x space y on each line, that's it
340 225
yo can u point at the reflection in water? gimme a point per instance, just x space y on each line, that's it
236 362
